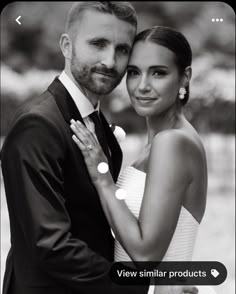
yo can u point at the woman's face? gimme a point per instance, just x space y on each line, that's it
153 80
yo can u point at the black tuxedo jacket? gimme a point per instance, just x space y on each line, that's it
61 242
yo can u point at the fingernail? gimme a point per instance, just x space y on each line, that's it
74 138
78 122
72 121
72 126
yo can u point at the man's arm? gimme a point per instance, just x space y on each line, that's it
32 166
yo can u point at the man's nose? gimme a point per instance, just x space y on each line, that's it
109 58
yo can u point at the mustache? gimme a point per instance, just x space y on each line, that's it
106 71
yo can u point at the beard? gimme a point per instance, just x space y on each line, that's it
98 79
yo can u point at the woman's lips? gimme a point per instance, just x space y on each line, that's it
145 98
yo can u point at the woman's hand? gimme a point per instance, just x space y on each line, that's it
176 290
92 152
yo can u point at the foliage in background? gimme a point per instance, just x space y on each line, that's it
31 58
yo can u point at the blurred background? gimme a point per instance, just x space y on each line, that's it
31 58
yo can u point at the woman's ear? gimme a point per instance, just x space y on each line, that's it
186 77
66 46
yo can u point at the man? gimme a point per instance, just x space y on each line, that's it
61 242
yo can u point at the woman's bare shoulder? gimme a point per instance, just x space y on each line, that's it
184 141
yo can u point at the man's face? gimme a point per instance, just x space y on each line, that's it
101 48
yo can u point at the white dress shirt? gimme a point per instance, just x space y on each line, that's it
84 106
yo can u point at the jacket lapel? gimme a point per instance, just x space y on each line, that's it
64 101
69 110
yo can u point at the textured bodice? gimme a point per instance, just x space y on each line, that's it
181 246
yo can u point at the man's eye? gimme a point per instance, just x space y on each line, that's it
98 44
123 50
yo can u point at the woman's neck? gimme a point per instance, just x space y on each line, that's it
170 119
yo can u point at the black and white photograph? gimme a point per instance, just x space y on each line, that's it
117 145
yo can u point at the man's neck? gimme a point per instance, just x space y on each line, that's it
90 96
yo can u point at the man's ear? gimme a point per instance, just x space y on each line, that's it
66 46
186 76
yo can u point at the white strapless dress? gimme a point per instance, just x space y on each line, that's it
182 244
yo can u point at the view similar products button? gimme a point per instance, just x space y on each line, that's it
169 273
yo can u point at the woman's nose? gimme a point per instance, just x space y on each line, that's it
144 85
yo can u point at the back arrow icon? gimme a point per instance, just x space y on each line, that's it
17 20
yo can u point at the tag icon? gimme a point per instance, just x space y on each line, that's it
214 273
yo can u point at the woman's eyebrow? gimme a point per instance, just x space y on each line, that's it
132 66
158 66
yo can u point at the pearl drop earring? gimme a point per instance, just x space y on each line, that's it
182 92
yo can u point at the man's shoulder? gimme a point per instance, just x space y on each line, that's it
40 115
43 105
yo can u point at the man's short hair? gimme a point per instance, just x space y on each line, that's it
122 10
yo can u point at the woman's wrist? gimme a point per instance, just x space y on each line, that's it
104 180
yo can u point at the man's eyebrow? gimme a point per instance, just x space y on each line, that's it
100 39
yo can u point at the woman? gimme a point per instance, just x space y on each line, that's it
165 189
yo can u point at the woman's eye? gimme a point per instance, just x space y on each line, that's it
132 72
159 73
